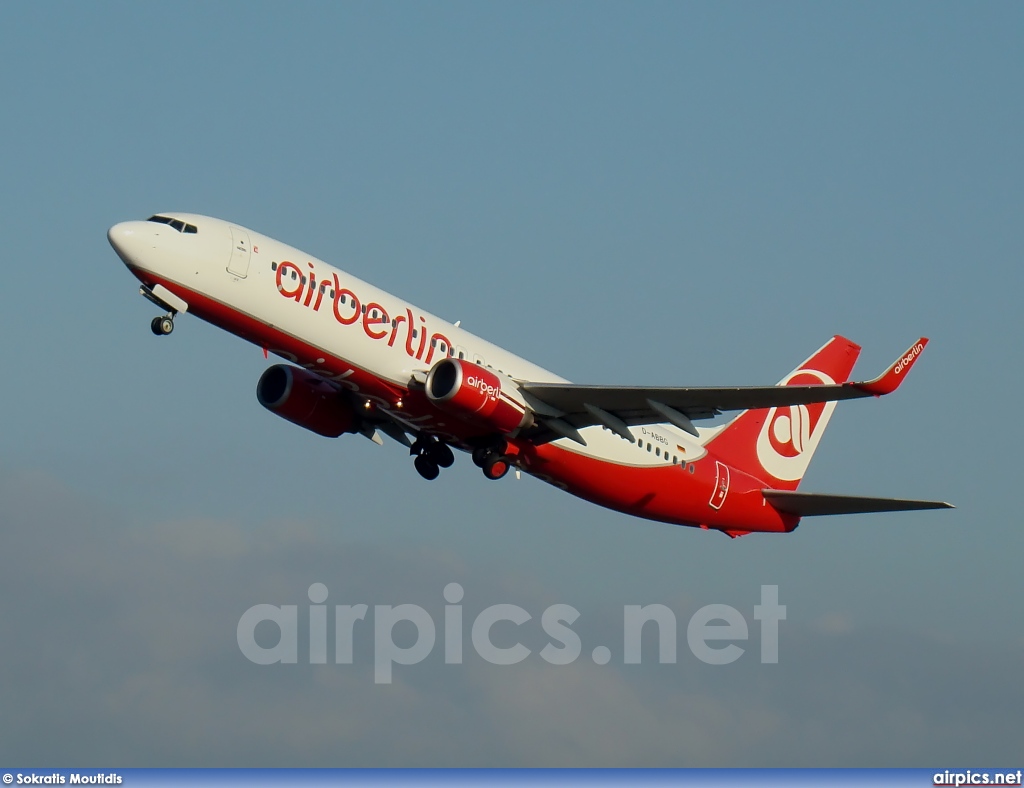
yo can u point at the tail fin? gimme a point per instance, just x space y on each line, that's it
776 444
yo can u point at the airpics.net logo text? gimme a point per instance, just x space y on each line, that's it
713 633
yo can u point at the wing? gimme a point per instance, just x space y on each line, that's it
565 408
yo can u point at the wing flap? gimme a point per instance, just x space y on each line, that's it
817 504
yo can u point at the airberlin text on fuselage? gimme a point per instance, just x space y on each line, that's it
303 288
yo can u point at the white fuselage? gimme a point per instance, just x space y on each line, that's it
339 316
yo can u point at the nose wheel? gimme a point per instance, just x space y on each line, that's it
162 325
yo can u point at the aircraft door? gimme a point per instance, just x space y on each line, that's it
240 250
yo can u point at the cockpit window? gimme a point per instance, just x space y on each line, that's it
177 224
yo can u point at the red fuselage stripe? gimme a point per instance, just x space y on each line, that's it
667 493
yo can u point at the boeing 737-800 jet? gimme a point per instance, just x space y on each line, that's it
366 362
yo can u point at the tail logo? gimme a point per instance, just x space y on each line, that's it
790 434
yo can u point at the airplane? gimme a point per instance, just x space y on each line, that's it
362 361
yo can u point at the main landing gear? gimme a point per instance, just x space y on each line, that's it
431 456
492 460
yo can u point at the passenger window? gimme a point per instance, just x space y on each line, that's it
294 276
332 294
657 452
273 266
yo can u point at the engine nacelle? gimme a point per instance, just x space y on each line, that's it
477 394
305 399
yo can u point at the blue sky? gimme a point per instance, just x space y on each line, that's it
657 193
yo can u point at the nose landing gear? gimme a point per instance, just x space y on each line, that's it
162 326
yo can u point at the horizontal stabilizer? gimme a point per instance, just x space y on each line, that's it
812 504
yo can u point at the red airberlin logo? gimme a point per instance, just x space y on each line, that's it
908 359
307 291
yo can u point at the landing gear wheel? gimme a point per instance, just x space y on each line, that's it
426 467
496 466
161 326
441 453
438 452
488 448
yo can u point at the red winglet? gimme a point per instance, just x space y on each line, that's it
889 381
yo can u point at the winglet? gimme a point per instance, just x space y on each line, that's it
890 380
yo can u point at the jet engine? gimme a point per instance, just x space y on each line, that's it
478 395
305 399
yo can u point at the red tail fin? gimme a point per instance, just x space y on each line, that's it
776 444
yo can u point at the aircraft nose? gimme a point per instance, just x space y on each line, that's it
127 241
115 233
